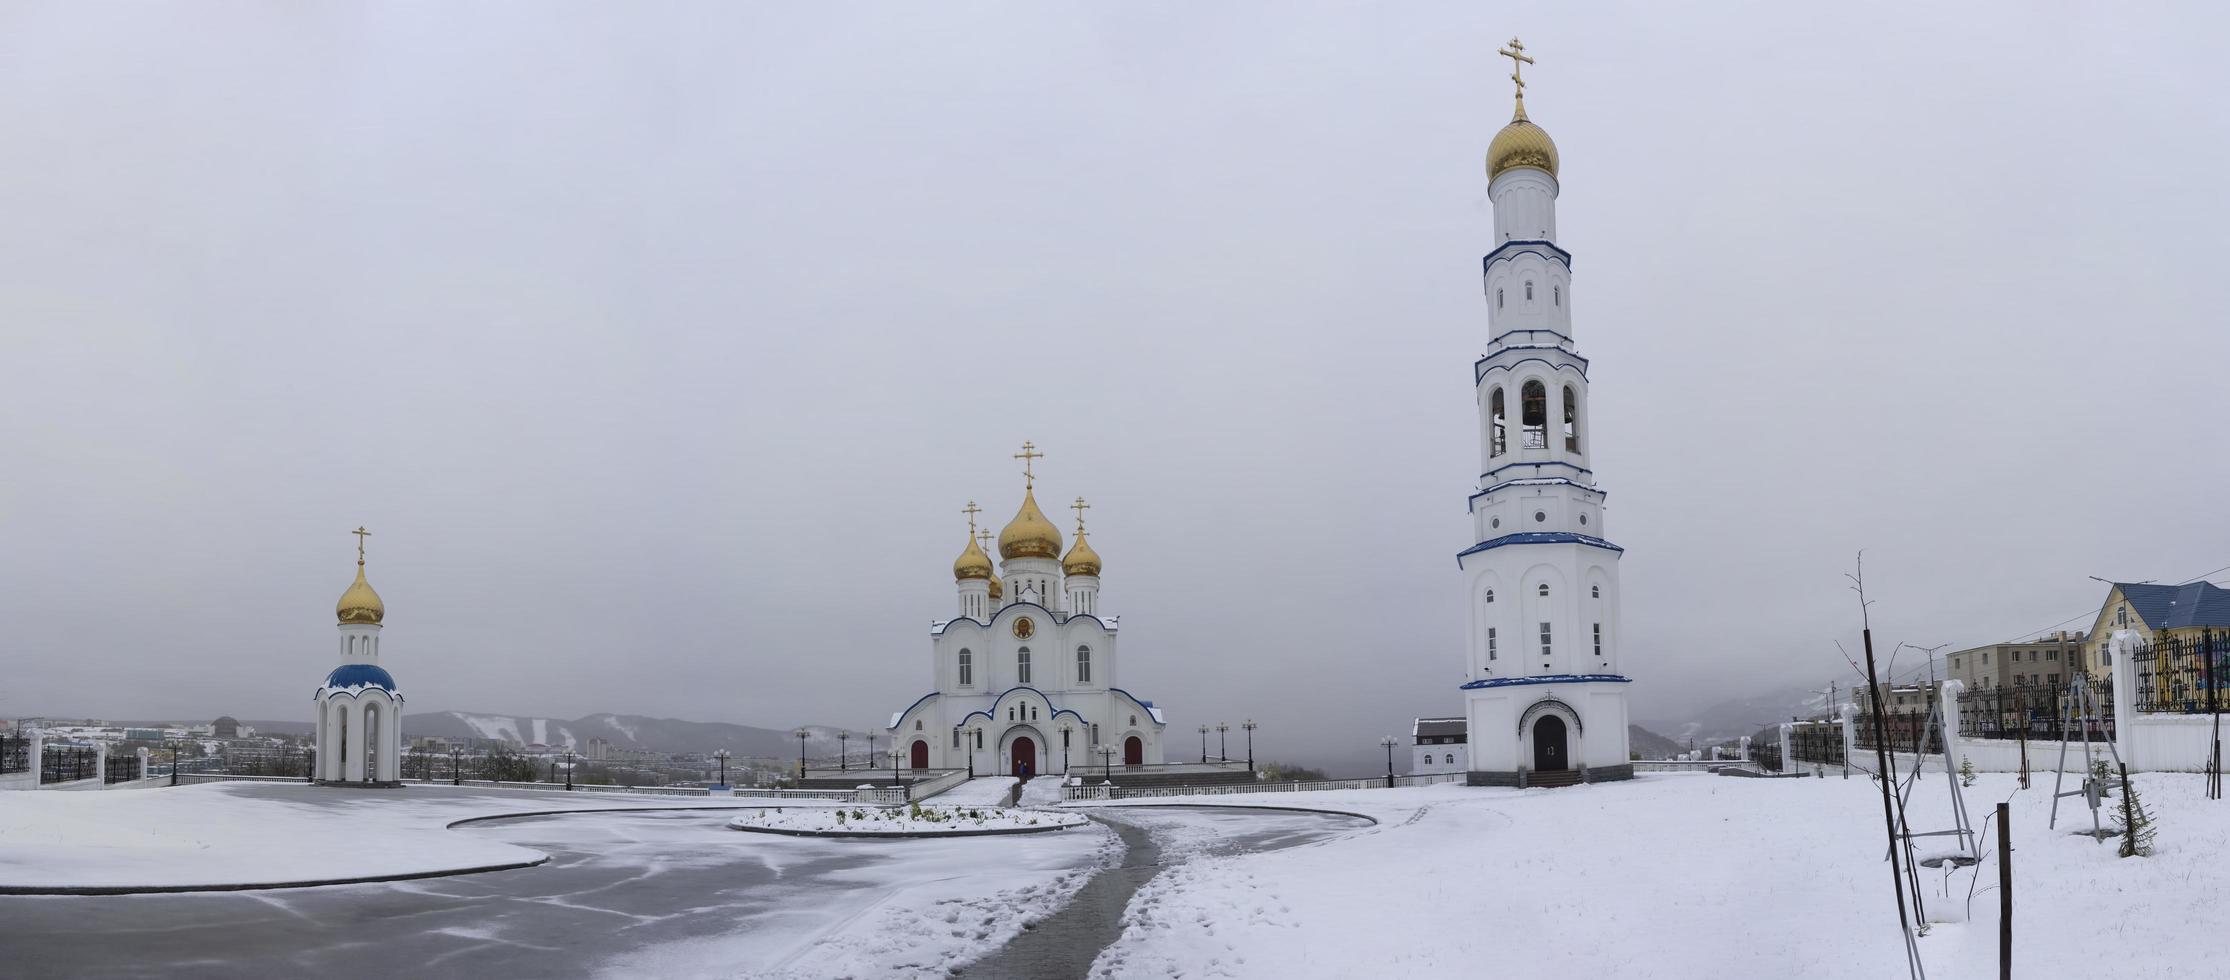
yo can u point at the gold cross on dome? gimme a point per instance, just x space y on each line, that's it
1080 507
1029 455
361 534
971 510
1518 60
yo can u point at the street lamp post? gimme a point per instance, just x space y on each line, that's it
1065 729
1107 760
1389 742
896 753
311 775
1249 726
174 763
722 755
801 734
871 743
843 751
569 770
1204 745
1223 746
456 771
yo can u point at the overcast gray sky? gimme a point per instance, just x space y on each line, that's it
660 345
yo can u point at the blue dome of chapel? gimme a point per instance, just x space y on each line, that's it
361 675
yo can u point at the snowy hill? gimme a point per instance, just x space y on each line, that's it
626 732
1735 718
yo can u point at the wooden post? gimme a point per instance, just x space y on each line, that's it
2005 894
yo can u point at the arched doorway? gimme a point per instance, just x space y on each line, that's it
1134 751
1022 757
921 754
1548 745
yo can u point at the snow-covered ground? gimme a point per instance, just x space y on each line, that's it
980 791
900 821
1680 876
250 833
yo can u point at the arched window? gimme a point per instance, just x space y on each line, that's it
1534 403
1597 590
1498 297
1571 420
1496 423
1544 590
1022 666
1084 665
967 668
1134 721
1558 293
1529 290
1451 758
917 724
1491 652
1490 595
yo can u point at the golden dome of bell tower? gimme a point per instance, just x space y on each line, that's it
360 604
1521 143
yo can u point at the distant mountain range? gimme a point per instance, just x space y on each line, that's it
637 732
1650 745
1729 720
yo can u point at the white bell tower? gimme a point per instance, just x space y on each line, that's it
1545 697
359 711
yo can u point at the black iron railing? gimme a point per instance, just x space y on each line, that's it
2037 711
121 769
15 754
1903 733
1818 743
61 764
2183 675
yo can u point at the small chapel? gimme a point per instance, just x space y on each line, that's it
1023 677
1545 699
359 710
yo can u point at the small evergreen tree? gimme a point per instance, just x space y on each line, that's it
1966 771
2134 823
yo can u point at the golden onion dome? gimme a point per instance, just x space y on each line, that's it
972 563
360 604
1029 535
1081 559
1521 144
998 588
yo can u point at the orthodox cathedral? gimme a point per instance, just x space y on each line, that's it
1545 696
1023 678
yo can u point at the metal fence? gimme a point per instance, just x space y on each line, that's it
2037 712
15 754
2183 675
121 768
1903 734
62 764
1821 743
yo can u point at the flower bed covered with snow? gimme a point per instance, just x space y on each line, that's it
910 821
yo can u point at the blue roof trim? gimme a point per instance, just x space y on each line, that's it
910 708
1571 466
1547 679
1148 705
361 675
1565 481
1479 373
1537 537
1515 246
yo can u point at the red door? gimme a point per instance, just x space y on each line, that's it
1134 752
1023 758
921 754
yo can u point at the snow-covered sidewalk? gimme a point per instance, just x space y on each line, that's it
242 833
980 791
1677 876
